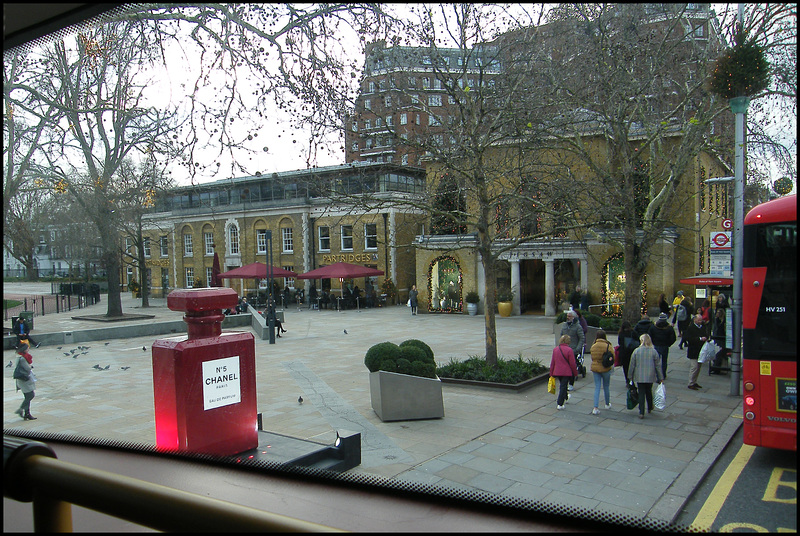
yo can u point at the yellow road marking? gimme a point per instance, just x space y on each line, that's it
708 513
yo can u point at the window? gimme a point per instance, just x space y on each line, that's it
355 126
412 81
437 84
163 244
426 83
404 160
371 236
147 246
208 240
452 99
187 245
233 240
367 124
378 122
372 87
355 146
209 275
128 242
367 104
434 100
347 237
415 99
389 121
189 277
403 118
324 238
369 143
261 240
387 101
286 236
433 121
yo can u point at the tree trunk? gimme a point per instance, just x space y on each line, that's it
490 301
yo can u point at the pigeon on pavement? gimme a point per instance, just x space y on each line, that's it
345 332
300 399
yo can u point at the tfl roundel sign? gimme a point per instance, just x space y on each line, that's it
720 240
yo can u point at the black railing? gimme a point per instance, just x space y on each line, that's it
49 304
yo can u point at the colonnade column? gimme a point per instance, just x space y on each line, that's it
307 251
549 288
515 286
584 275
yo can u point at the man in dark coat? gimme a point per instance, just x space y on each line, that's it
663 336
643 325
694 336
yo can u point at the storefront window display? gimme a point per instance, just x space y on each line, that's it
444 280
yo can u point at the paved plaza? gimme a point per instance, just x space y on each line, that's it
497 441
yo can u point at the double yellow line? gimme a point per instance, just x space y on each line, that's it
708 513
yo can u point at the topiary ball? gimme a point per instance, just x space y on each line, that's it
377 354
419 344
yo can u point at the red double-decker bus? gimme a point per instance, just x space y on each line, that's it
769 324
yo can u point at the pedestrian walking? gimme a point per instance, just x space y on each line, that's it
644 370
573 328
602 375
26 381
412 299
694 336
563 367
627 341
663 336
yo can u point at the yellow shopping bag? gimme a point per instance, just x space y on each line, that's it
551 385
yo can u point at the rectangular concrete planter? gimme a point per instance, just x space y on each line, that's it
400 397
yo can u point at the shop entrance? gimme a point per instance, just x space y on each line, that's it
531 281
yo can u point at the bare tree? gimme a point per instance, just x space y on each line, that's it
632 82
101 120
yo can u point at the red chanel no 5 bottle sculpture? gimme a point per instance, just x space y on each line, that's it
205 382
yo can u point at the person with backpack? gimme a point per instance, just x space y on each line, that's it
601 371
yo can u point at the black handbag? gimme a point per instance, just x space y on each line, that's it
19 374
633 397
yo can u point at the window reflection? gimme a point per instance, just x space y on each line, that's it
445 285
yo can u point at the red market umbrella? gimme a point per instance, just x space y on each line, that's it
256 270
341 270
216 281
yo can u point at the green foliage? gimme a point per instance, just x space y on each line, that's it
509 371
472 297
412 357
592 319
610 324
421 345
505 295
742 71
377 354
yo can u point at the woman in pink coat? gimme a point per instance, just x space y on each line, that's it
563 367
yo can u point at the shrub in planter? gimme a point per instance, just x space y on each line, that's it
419 344
412 357
610 324
377 354
472 297
592 319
